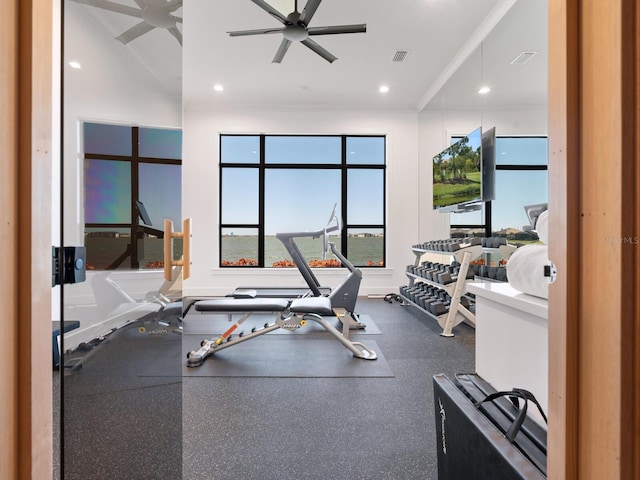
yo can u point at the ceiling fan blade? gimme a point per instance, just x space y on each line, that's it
174 5
360 28
319 50
135 31
140 3
260 31
176 33
177 19
308 11
284 46
269 9
112 7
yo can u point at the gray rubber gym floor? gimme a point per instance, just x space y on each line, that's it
132 413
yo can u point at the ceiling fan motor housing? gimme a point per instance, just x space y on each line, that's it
295 33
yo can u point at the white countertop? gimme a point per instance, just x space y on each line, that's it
505 294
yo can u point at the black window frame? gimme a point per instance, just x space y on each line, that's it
487 225
135 230
263 166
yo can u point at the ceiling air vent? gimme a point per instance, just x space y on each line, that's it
523 58
400 55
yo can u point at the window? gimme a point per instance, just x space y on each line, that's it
521 179
273 184
132 182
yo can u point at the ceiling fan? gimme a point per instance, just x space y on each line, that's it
154 14
296 29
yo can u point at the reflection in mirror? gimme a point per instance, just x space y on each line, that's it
510 66
120 359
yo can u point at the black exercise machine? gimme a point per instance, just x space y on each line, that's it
290 313
343 298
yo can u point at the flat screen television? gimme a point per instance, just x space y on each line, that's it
457 174
489 165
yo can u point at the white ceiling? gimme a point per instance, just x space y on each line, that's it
444 39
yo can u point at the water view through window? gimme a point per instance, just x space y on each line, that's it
292 185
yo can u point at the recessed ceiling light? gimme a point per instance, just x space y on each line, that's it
383 89
484 90
218 88
75 64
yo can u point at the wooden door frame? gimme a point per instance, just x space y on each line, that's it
25 185
585 441
594 328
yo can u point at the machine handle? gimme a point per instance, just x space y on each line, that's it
169 262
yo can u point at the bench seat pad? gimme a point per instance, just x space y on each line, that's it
242 305
318 305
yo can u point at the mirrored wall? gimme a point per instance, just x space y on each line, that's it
120 358
502 83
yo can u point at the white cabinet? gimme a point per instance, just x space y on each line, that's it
512 339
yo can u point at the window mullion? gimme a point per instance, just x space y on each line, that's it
344 195
261 202
135 192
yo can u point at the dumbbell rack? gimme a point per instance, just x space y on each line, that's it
492 246
438 289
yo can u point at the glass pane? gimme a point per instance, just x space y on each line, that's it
160 143
151 252
312 250
239 247
106 139
105 246
240 192
303 150
365 197
107 191
239 149
365 248
521 151
467 232
299 200
160 190
514 190
365 150
468 218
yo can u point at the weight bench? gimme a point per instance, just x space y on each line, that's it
290 315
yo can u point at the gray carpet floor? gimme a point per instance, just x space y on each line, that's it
121 423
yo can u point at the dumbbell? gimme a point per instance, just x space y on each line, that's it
438 308
501 274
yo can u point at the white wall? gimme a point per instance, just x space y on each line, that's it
200 191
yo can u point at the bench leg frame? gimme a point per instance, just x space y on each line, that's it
195 358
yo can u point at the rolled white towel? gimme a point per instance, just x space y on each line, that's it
542 227
525 270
